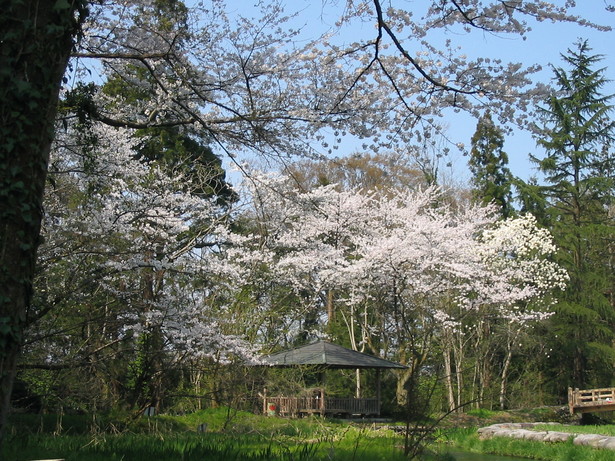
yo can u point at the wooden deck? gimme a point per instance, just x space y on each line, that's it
298 406
591 400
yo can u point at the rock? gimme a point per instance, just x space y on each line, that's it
538 436
522 431
487 432
608 443
519 434
554 436
592 440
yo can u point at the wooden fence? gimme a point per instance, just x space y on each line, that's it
591 400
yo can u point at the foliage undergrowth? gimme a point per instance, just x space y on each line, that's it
238 435
230 435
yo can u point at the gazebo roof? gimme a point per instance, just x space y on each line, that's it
328 355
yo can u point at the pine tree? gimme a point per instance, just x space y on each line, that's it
576 135
492 180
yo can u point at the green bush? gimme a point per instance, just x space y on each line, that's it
482 413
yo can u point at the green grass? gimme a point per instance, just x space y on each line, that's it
188 447
482 413
230 436
140 447
217 420
599 429
236 435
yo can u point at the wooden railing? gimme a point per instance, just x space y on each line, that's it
352 406
296 406
591 400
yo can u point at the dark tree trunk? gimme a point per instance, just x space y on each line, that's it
36 38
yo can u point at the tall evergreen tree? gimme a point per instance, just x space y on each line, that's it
491 180
576 135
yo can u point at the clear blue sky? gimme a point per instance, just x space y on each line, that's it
543 45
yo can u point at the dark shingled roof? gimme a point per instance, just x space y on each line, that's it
328 355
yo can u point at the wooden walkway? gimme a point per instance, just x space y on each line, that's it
591 400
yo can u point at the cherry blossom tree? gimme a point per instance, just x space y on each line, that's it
259 83
405 270
124 240
522 254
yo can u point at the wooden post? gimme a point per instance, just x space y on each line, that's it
378 389
265 401
323 407
323 385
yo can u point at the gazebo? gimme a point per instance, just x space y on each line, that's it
326 355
